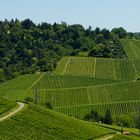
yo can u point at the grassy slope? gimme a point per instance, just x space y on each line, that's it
17 88
6 105
39 123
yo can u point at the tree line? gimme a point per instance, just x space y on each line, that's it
124 120
26 47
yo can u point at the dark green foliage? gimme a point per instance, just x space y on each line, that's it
27 48
87 117
96 117
124 120
93 116
28 99
120 32
48 105
108 117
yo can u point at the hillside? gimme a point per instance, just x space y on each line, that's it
79 101
6 105
132 49
78 86
27 48
17 88
117 69
39 123
82 84
76 92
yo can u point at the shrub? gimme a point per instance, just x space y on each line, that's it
28 99
48 105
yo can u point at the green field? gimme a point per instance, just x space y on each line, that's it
39 123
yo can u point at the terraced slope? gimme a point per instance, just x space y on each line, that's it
118 97
59 82
74 92
17 88
121 69
132 49
39 123
6 105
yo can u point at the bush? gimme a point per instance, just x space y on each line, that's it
124 120
28 99
48 105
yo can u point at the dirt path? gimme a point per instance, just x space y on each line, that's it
106 137
21 106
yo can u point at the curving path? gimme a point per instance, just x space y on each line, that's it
107 138
21 106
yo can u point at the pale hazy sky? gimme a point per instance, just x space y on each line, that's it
101 13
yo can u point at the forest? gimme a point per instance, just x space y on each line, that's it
26 47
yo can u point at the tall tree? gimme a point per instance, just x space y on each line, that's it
108 117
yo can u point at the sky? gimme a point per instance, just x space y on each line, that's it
96 13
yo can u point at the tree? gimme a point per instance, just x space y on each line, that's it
108 117
95 116
97 30
2 75
28 48
87 117
99 39
120 32
27 24
49 106
124 120
106 33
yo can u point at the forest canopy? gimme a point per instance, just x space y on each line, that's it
26 47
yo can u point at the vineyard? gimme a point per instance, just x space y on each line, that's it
120 69
40 123
82 84
78 86
117 97
6 105
17 88
132 48
108 84
62 81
